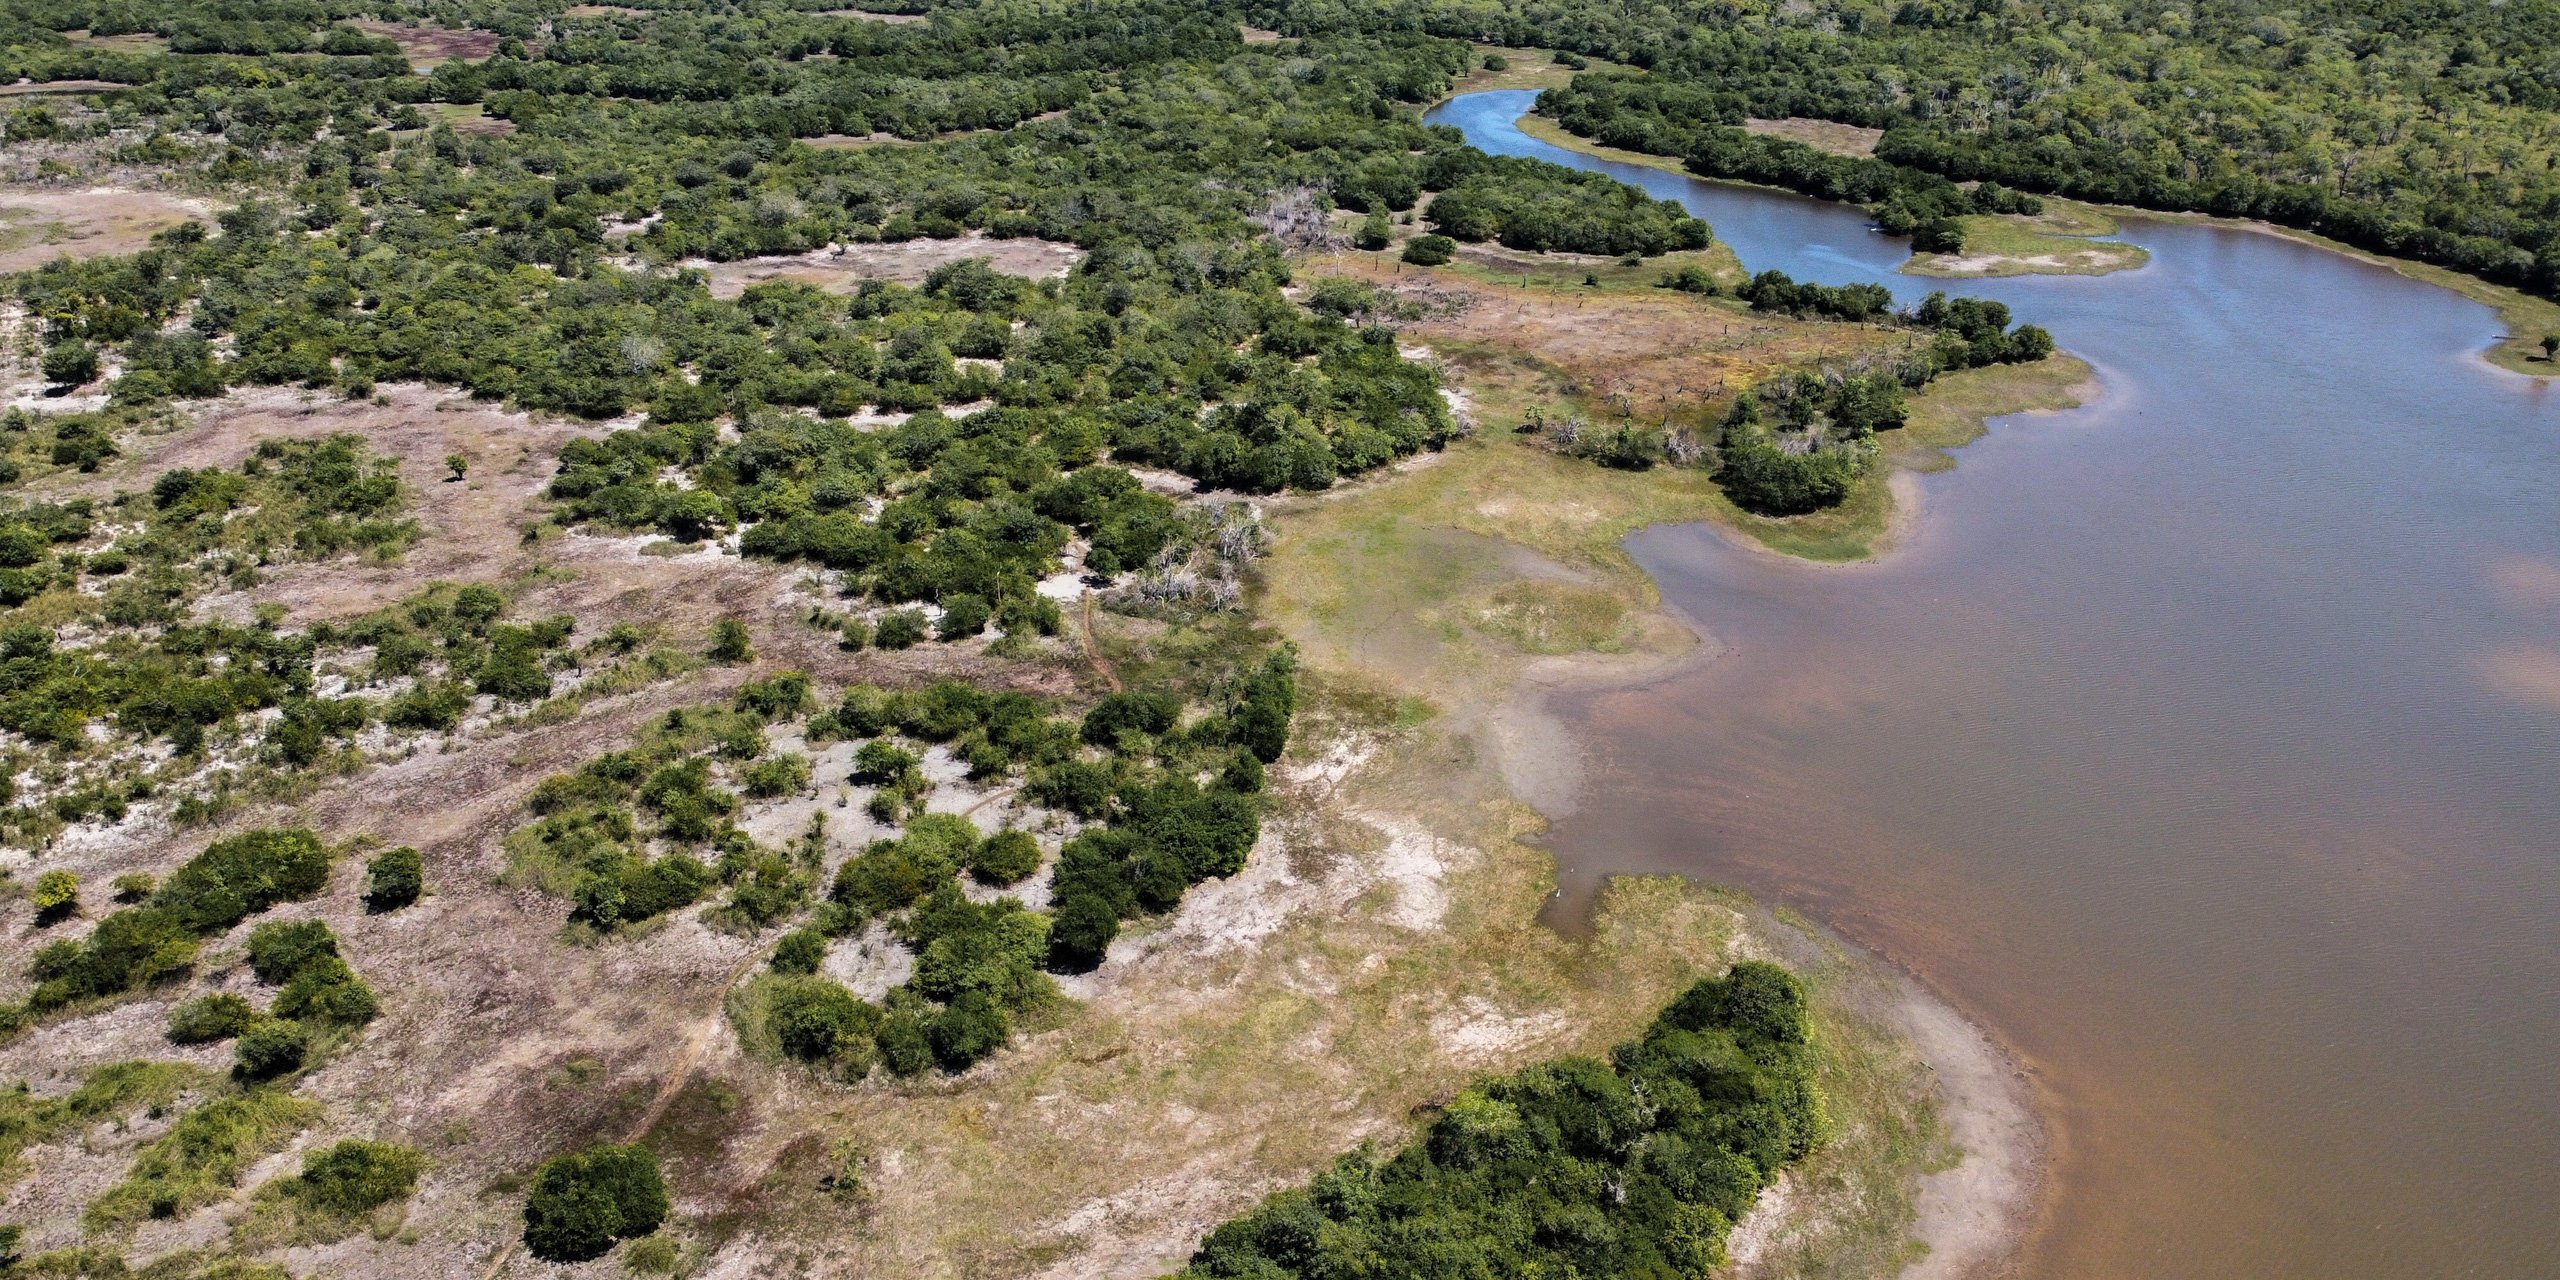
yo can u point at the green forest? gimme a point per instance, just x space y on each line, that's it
2422 131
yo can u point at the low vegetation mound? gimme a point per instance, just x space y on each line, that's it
1638 1166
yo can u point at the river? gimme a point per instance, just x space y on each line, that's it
2200 743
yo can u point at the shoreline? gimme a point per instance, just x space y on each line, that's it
2520 314
1975 1214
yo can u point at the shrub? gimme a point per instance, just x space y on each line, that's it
1007 857
900 629
800 951
1081 933
56 894
327 992
134 886
1690 278
248 873
780 776
270 1048
355 1176
582 1203
1634 1166
730 642
280 949
962 617
1764 479
71 363
1430 250
970 1028
1118 713
209 1018
394 879
1938 235
815 1020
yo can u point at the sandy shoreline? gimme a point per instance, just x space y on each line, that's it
1974 1216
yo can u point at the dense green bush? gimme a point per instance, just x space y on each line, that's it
354 1176
271 1047
1007 857
1430 251
280 949
206 1019
394 879
1638 1166
583 1203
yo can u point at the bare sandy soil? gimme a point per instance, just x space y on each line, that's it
38 225
841 268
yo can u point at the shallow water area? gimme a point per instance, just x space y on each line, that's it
2200 742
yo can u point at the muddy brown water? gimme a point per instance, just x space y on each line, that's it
2201 744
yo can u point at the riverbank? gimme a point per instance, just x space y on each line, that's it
1469 593
2527 319
2001 246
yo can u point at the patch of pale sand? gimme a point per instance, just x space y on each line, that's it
870 963
90 222
2528 673
1126 1234
1769 1215
1971 1215
1477 1030
840 268
1414 866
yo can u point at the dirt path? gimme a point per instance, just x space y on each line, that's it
1093 651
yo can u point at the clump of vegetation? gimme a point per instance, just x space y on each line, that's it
1635 1166
340 1187
218 888
116 1089
206 1019
202 1157
394 879
582 1204
622 837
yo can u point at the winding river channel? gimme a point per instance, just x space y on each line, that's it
2203 743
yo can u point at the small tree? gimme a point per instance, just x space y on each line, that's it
1376 232
730 642
457 466
71 363
2551 346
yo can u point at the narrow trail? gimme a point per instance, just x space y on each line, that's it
695 1045
1092 651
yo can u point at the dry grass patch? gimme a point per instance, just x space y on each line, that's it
1821 135
37 226
427 45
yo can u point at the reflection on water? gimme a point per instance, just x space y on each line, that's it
2202 744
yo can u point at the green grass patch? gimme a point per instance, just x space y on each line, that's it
116 1089
202 1159
2061 241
